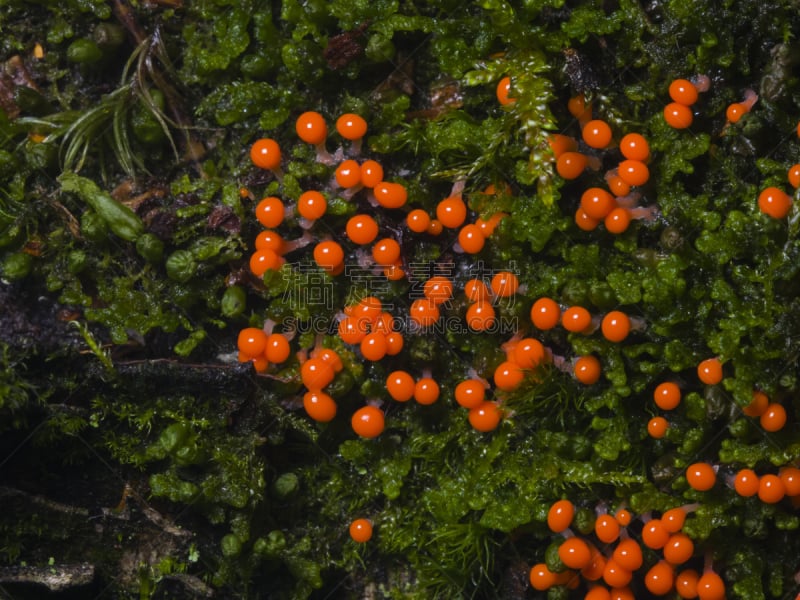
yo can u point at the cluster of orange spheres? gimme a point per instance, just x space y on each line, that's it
772 200
451 213
484 415
261 349
615 326
770 488
317 372
402 387
270 245
684 93
607 561
480 312
667 396
615 207
481 315
522 356
367 325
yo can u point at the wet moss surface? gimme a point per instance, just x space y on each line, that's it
136 447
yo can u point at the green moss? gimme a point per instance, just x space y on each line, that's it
156 272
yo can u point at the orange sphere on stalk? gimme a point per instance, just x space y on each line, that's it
390 195
616 326
686 583
545 313
635 147
541 577
503 92
654 534
311 205
371 173
270 240
266 154
471 238
576 319
504 284
451 212
574 553
596 134
438 289
571 164
426 391
758 405
560 515
361 530
252 341
773 418
470 393
418 220
628 554
667 395
710 371
584 221
485 417
373 346
793 175
353 329
386 251
480 316
746 483
311 128
351 126
508 376
579 108
790 476
683 92
674 518
606 528
529 353
633 172
657 427
710 586
660 578
262 261
475 290
270 212
678 116
774 202
561 143
424 313
771 489
618 220
701 476
316 374
348 174
328 254
319 406
368 422
678 549
587 369
361 229
277 349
